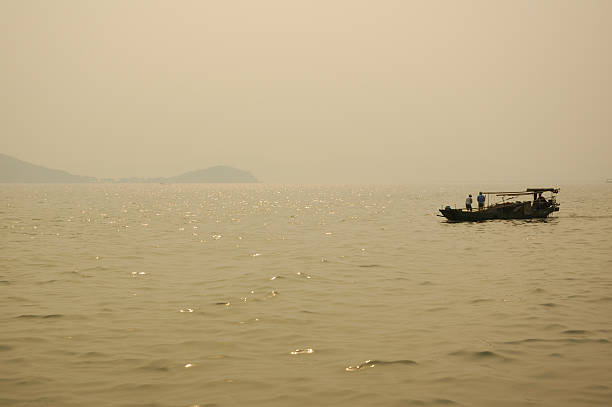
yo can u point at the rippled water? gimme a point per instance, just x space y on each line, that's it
263 295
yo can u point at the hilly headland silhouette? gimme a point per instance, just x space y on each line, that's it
13 170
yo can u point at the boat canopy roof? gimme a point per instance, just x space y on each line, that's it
528 191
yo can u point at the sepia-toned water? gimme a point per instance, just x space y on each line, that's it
264 295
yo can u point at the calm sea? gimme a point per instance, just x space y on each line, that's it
264 295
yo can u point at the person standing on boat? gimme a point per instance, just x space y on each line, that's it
481 201
468 203
540 202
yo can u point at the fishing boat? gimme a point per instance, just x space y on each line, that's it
543 204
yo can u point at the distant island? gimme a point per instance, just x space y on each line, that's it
13 170
17 171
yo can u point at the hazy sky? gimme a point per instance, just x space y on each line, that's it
311 91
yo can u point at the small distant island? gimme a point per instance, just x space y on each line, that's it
13 170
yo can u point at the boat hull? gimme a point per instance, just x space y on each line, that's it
515 210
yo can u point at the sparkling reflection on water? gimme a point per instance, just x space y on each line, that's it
182 295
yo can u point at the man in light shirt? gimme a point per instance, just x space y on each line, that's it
468 203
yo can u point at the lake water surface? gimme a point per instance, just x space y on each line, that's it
269 295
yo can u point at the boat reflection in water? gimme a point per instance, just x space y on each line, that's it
544 203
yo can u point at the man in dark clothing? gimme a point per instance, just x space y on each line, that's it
540 202
481 201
